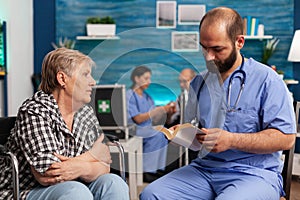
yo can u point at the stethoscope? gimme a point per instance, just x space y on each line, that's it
136 99
243 79
233 75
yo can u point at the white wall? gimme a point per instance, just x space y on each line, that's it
19 17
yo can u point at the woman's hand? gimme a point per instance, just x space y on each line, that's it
83 166
44 179
170 108
77 167
58 172
66 170
100 151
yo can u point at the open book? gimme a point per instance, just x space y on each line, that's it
183 135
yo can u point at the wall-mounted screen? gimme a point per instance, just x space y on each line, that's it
3 81
2 50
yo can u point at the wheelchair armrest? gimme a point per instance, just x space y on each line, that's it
112 138
3 151
114 141
15 169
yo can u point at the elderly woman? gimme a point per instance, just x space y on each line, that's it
55 137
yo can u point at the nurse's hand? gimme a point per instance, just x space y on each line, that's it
215 140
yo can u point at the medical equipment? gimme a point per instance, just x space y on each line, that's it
233 75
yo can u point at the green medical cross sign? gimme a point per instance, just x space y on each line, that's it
104 106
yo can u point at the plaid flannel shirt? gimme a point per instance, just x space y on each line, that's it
39 131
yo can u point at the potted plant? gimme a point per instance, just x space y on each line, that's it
67 43
97 26
268 50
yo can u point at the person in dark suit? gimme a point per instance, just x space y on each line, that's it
185 77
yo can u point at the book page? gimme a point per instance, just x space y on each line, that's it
168 133
185 136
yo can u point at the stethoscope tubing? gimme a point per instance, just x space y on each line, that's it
243 80
136 99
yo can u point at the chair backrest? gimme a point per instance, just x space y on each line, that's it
287 171
36 81
288 159
6 124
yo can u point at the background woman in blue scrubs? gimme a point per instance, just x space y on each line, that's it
143 112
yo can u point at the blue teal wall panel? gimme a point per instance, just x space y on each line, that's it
277 17
142 43
296 66
44 30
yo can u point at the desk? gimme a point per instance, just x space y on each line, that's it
134 148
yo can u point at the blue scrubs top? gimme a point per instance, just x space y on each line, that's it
137 105
154 142
265 103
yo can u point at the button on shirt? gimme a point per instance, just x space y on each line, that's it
39 132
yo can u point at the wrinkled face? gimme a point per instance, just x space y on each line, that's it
80 85
184 81
217 46
143 81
